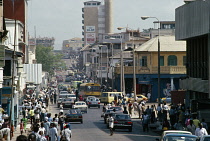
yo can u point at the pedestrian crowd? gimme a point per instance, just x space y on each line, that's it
44 126
163 116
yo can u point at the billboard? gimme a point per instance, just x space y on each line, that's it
90 38
90 28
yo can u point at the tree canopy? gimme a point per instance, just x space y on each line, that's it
48 59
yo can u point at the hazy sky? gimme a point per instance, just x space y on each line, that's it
62 19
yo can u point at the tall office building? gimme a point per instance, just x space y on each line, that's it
97 19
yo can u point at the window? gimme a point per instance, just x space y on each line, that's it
143 61
172 60
161 60
93 3
184 60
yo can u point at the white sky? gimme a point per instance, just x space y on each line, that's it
62 19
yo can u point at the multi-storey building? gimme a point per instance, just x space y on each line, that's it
172 64
97 19
72 45
194 27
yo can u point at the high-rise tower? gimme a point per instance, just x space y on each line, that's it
108 16
97 19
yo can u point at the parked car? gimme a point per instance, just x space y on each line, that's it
93 102
180 137
123 121
139 97
173 132
80 105
74 115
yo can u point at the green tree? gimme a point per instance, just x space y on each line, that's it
48 59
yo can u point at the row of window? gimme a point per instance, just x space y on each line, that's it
92 3
172 61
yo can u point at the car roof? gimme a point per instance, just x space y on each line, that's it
80 102
175 131
180 135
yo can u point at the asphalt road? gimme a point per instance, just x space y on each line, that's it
94 129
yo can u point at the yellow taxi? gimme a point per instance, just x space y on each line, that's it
139 97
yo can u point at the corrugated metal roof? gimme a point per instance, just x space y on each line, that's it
167 43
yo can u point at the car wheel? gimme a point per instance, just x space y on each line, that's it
99 107
81 121
130 129
88 106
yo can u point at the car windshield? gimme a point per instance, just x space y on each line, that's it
80 104
75 111
108 111
116 108
72 96
67 99
63 92
174 138
122 117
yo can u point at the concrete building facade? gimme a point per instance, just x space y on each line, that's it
193 26
97 19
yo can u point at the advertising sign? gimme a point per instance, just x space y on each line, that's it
90 38
90 28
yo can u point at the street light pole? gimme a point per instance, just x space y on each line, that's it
144 18
107 67
112 67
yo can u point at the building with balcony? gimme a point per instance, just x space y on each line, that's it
172 67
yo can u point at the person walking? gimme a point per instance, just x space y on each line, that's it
204 124
21 126
145 122
191 127
66 134
111 124
200 131
25 121
53 134
31 112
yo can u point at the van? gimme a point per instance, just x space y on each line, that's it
108 97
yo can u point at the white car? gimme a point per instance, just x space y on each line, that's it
89 98
73 96
173 132
80 105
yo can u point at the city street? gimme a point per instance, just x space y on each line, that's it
94 129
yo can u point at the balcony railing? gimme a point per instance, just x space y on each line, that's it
153 70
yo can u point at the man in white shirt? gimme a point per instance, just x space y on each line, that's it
67 133
200 131
111 124
53 132
43 111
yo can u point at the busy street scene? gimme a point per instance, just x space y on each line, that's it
104 70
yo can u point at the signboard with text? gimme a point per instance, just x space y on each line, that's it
90 28
90 38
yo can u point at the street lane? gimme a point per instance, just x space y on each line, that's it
94 129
